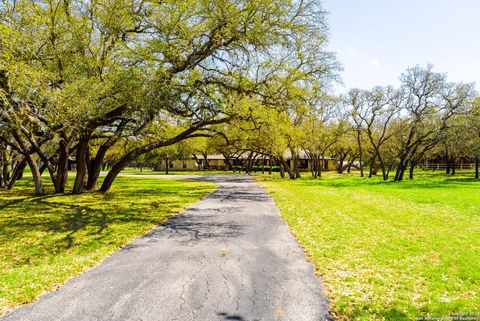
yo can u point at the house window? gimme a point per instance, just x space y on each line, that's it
325 164
171 165
184 165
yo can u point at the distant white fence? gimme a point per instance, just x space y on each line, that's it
443 166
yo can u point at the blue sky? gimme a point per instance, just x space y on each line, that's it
376 40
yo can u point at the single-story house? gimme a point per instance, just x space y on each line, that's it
218 162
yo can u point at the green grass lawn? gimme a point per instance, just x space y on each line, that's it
45 240
385 250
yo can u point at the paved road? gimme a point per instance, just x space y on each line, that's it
227 257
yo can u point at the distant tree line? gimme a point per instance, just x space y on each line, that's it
382 130
103 84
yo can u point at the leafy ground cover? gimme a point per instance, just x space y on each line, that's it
45 240
386 250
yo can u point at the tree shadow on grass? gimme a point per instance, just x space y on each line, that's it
52 224
434 182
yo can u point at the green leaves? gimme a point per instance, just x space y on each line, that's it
82 68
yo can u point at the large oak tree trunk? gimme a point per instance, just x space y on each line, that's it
384 171
4 173
95 167
82 166
113 173
287 168
297 168
207 162
282 170
17 173
61 178
412 168
400 169
37 179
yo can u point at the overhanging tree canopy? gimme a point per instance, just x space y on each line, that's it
79 77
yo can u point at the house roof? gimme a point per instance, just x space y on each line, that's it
211 157
287 155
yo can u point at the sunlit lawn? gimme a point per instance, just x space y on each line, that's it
389 251
45 240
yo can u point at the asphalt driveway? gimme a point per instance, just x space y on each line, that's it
227 257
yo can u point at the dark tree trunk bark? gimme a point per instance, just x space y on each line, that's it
384 171
372 168
401 171
229 166
390 167
82 166
6 171
382 165
340 167
282 171
400 168
320 167
95 167
360 150
412 168
3 181
112 174
287 168
207 163
166 166
3 167
37 179
315 166
17 173
297 169
477 161
98 164
310 164
62 171
199 163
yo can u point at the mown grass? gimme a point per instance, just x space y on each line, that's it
45 240
386 250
